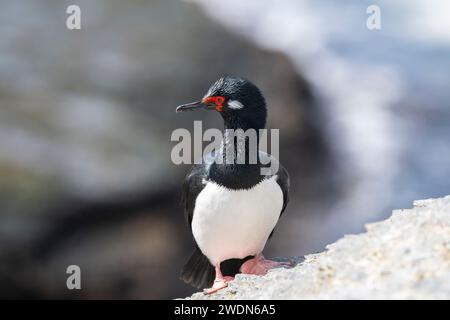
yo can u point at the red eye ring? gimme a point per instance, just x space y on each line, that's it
217 100
220 99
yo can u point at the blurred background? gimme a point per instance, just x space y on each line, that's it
86 117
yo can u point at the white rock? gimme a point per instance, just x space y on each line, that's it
404 257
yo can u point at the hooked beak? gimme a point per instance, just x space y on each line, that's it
197 105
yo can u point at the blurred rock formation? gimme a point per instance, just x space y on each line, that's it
85 124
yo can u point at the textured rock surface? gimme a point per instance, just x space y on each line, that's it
404 257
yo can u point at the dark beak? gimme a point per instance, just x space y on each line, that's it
197 105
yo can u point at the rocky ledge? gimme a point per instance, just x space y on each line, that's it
406 256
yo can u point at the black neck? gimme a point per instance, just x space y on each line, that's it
240 167
254 121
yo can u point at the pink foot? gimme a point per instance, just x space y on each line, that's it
260 266
220 281
218 285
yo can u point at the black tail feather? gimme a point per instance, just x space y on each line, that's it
200 273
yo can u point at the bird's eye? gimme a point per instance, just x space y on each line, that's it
220 100
217 100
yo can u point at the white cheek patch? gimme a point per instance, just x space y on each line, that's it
234 104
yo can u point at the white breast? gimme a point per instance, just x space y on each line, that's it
235 223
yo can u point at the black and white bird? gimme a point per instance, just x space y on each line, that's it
232 208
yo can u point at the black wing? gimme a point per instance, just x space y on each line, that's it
282 176
192 186
283 182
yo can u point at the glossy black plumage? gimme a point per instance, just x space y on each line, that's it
198 271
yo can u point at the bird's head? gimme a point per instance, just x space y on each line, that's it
239 101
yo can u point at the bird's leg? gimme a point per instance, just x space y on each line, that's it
260 265
220 281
